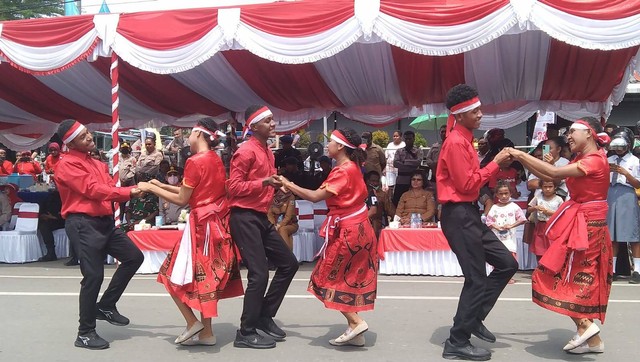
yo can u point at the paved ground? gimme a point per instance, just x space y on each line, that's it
39 310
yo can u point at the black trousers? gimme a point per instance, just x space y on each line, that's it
258 240
474 244
92 239
46 228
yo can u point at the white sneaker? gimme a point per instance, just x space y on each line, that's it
585 348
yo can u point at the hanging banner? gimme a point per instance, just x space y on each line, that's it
540 131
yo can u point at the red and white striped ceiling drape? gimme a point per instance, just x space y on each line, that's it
372 60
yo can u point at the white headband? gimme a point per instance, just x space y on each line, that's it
211 136
580 126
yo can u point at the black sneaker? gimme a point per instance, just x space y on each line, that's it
635 278
268 326
112 316
72 262
253 340
48 257
91 340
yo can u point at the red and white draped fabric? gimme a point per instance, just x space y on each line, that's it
372 60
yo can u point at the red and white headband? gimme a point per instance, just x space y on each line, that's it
73 132
338 137
602 138
459 108
212 136
256 117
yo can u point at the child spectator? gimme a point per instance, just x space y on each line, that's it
503 218
541 207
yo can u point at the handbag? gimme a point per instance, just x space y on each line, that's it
528 234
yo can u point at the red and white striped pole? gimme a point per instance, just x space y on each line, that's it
115 127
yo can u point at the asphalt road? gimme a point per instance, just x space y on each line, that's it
39 312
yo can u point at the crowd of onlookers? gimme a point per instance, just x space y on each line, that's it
400 178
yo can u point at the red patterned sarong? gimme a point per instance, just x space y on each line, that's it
346 275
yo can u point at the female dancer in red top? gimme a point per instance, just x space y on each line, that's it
575 273
345 277
202 267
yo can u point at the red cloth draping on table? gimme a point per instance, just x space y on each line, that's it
159 240
411 240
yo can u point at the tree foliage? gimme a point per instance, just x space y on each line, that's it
380 138
28 9
420 140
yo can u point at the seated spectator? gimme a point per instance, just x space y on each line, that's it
293 174
5 210
170 212
49 219
53 158
141 208
26 166
325 165
416 200
163 168
379 198
6 167
286 152
282 214
149 160
509 176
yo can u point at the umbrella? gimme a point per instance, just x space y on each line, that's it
429 122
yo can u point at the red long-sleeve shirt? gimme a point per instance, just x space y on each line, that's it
85 187
6 168
250 164
459 176
50 163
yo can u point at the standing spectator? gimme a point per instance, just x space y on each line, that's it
384 206
390 154
52 159
503 218
149 161
434 153
230 148
127 165
25 166
406 160
173 148
623 217
376 159
296 139
6 167
483 149
553 157
542 207
287 151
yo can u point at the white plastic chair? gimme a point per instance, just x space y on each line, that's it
22 244
14 215
304 238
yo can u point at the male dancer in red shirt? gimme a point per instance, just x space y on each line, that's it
87 193
458 179
251 185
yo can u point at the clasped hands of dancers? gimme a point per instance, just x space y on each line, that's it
202 267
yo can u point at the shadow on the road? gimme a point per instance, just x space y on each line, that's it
225 334
550 348
335 330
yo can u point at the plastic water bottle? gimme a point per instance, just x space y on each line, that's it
416 221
